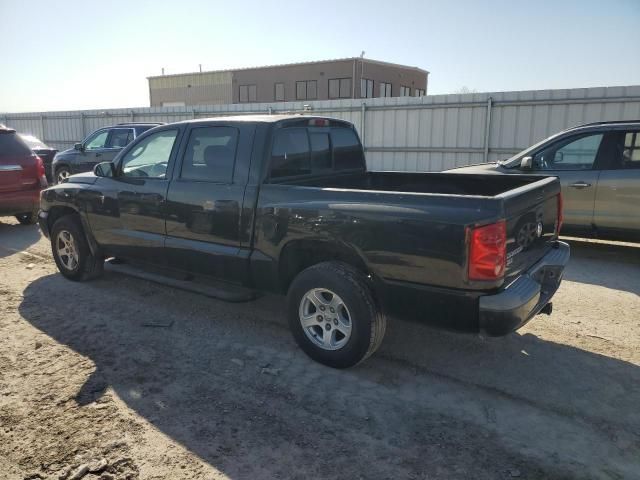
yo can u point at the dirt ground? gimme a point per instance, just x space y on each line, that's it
163 383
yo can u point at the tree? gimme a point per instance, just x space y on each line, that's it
465 89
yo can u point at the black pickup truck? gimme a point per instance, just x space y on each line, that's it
285 204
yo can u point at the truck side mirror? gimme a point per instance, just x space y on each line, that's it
526 163
78 146
104 169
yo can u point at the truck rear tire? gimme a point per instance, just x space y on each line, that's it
71 250
333 315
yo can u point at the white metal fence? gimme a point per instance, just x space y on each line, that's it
429 133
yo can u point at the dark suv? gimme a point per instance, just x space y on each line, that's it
101 146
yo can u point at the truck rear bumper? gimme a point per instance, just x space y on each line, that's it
526 296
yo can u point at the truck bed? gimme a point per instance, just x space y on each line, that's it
434 183
424 216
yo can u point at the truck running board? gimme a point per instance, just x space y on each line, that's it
209 288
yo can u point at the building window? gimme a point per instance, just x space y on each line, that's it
248 93
172 104
307 90
279 92
419 92
385 89
366 88
405 91
340 88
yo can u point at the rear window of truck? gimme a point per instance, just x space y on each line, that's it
304 151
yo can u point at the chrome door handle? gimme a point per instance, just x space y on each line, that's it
580 185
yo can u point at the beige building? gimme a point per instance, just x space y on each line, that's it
323 80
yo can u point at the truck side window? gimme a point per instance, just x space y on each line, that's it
210 155
347 151
290 153
150 157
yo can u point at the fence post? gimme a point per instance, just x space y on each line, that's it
84 128
133 115
43 137
487 129
363 112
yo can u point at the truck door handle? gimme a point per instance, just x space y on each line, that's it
580 185
98 155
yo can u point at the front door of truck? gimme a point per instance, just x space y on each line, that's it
127 212
204 203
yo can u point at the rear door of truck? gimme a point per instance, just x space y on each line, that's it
533 219
205 200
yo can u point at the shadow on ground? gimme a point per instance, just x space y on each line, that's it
431 402
15 237
589 260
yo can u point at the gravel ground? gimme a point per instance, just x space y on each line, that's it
124 378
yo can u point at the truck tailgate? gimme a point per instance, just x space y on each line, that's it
532 215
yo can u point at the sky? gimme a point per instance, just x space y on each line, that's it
78 54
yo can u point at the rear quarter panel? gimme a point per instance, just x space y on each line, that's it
417 238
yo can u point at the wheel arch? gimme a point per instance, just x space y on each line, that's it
298 255
58 211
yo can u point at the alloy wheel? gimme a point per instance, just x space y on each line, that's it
325 319
66 250
62 175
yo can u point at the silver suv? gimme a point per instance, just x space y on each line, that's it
599 168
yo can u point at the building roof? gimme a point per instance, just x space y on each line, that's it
350 59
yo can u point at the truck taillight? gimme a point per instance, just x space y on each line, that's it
560 212
488 251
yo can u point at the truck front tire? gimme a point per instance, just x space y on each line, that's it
333 315
71 250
